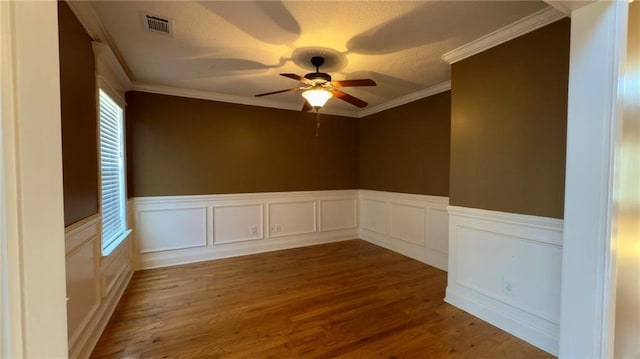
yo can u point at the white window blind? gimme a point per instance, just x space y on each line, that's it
112 173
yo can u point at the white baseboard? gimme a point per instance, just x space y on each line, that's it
413 225
505 269
184 229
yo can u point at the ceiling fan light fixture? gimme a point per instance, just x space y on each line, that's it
317 97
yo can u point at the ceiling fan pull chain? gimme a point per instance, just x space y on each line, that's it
317 121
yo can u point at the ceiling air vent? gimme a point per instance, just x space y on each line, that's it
158 24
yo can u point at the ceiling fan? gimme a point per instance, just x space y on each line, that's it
318 87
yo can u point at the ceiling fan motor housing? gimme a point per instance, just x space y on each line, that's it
318 77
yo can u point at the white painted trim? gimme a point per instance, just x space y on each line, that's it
263 102
32 169
518 28
111 76
504 317
560 6
232 198
258 236
90 336
553 224
415 96
11 337
88 18
235 99
228 250
85 232
301 201
267 240
80 232
517 244
369 226
595 106
323 228
205 240
385 195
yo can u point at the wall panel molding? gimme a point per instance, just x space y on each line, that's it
83 297
94 283
238 223
505 268
247 223
337 214
405 223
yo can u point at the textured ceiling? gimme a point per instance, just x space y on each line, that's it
238 48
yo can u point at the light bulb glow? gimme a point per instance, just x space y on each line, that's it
317 97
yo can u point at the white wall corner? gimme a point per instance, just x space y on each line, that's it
518 28
413 225
595 108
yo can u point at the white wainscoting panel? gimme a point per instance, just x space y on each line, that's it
82 286
439 230
239 224
505 268
373 215
410 224
94 283
164 229
292 218
338 214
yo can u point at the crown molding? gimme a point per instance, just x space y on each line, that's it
560 6
525 25
429 91
261 102
86 15
240 100
109 68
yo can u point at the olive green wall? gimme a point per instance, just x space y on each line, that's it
182 146
508 125
79 123
406 148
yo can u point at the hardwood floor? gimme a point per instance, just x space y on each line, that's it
347 299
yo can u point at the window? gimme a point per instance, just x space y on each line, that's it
114 224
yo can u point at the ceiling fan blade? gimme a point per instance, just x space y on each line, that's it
352 83
350 99
281 91
307 106
296 77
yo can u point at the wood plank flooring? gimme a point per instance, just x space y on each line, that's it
348 299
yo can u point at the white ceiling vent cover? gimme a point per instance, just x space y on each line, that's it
158 24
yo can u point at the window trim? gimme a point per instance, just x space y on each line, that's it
114 96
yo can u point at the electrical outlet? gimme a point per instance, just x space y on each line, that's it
254 230
508 287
